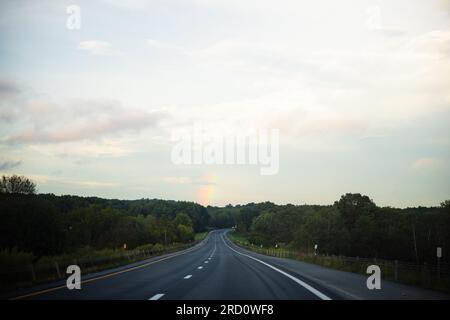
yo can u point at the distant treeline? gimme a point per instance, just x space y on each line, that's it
353 226
46 224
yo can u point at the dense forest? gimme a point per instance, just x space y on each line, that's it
46 224
353 226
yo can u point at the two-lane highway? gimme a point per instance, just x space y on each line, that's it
217 269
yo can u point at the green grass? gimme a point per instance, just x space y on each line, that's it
200 236
238 237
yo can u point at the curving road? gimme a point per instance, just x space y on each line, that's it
217 269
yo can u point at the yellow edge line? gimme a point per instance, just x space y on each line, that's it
32 294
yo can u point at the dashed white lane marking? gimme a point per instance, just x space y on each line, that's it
200 267
206 261
188 276
298 281
214 250
157 296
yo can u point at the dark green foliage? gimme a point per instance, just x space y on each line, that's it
49 224
353 226
221 217
155 207
353 206
31 224
247 213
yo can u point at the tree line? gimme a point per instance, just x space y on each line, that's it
353 226
45 224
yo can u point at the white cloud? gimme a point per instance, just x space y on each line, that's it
36 121
163 45
97 47
177 180
91 184
129 4
87 149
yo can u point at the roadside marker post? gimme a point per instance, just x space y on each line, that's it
58 273
439 256
396 270
33 273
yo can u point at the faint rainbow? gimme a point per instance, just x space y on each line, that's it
207 192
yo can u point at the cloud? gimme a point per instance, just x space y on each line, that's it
84 150
188 180
89 128
74 131
163 45
390 32
444 5
8 165
177 180
424 163
130 4
97 47
27 120
8 88
11 93
91 184
435 43
318 75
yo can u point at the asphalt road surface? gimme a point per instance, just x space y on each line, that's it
218 269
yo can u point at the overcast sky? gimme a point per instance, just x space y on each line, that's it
360 91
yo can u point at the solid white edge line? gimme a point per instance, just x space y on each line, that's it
300 282
157 296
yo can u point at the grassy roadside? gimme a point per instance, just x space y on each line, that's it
400 273
200 236
17 269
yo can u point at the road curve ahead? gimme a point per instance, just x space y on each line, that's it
217 269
